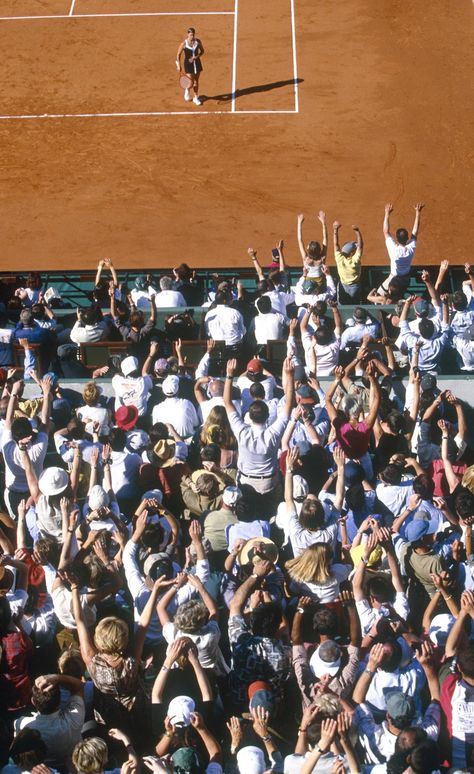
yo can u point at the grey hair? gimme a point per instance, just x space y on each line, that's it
191 616
351 406
166 283
329 706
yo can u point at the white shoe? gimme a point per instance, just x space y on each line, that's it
187 95
197 101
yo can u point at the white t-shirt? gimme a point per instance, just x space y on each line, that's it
326 592
244 384
179 412
401 256
169 298
327 356
207 643
90 414
15 476
268 327
132 391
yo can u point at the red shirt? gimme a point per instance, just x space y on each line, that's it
354 441
15 683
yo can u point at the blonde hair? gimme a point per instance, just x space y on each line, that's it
71 663
468 479
222 433
90 756
329 706
91 393
111 636
313 565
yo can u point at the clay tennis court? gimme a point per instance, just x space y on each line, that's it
308 104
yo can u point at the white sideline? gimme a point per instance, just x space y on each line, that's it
295 65
71 10
234 55
142 114
115 15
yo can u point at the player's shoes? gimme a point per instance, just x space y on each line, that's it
187 95
197 101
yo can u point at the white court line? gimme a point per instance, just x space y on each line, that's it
115 15
141 114
71 10
234 56
295 65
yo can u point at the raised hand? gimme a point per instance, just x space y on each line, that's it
235 730
260 721
328 732
376 656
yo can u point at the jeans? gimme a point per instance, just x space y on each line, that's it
348 294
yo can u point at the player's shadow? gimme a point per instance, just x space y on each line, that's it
249 90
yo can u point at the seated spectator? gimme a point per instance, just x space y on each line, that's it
167 297
179 412
322 348
268 325
90 326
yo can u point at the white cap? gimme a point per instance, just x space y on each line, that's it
153 494
170 385
231 495
129 365
98 498
251 760
300 486
137 440
179 710
440 627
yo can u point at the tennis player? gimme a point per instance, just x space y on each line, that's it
193 51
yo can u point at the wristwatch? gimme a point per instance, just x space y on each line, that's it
320 750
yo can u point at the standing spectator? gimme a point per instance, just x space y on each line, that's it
132 389
222 323
348 261
401 250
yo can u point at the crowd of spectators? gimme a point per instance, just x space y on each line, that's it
223 566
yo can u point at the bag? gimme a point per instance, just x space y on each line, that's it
182 326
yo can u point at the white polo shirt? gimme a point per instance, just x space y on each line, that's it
401 256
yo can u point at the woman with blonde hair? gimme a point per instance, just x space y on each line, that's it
216 429
90 755
313 574
119 696
93 413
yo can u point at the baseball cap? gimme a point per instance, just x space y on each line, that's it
137 440
129 365
162 365
359 314
261 695
251 760
353 473
153 494
305 395
421 307
326 659
126 416
180 709
440 627
428 382
417 529
254 366
157 565
358 552
170 385
98 498
300 488
468 335
231 495
185 759
348 247
399 705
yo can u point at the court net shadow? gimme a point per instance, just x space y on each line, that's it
249 90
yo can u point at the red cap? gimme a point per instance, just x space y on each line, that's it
126 417
258 685
255 366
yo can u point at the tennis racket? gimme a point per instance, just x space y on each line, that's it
185 81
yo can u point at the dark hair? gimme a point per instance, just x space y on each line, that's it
391 661
221 297
409 738
92 315
137 319
28 749
257 391
258 412
211 452
314 250
158 432
264 286
21 428
207 485
118 439
325 622
425 758
264 304
402 722
426 328
323 335
311 514
48 550
423 485
381 589
153 536
320 308
391 474
183 271
395 421
402 236
465 659
265 619
46 702
464 503
355 497
5 616
459 300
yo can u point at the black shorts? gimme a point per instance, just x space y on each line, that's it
189 67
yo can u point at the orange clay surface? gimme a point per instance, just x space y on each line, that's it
385 114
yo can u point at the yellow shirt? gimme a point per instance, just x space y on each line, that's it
348 268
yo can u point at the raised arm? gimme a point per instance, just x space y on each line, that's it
451 476
289 372
335 236
146 616
150 359
443 269
374 399
256 265
330 408
386 220
245 589
359 238
291 459
324 226
299 236
338 324
416 224
230 371
208 600
86 643
434 295
31 478
339 459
